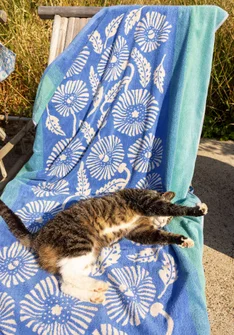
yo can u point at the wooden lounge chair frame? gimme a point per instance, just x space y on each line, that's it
68 22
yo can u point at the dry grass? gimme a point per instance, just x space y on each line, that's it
28 36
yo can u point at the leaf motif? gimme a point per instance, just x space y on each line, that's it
87 130
97 100
146 255
132 18
112 27
111 94
79 62
95 39
112 186
159 75
143 66
83 187
52 123
108 257
168 273
94 81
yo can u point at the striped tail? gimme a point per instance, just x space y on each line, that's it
15 225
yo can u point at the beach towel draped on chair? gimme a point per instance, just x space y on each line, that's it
122 106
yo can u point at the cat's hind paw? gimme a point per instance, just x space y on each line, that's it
97 297
186 242
203 208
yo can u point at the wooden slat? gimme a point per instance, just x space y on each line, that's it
54 38
70 31
76 27
48 12
62 36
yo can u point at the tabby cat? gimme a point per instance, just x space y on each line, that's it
70 243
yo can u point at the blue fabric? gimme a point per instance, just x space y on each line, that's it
7 62
106 120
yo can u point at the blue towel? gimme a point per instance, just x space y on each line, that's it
7 62
121 107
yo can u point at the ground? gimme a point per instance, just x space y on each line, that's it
214 184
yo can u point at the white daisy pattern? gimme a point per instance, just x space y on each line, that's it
105 157
7 314
17 264
130 295
36 213
46 310
135 112
45 189
64 156
151 31
152 181
70 97
113 64
107 329
146 153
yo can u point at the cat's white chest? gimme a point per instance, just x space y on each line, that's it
160 221
121 227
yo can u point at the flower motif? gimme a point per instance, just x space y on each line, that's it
135 112
17 264
7 314
70 97
113 63
36 213
107 329
45 189
152 181
46 310
105 157
151 31
64 156
146 153
129 298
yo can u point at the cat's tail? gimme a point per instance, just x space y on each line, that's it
15 225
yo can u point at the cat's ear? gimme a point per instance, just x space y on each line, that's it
168 195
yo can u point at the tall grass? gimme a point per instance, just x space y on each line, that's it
29 37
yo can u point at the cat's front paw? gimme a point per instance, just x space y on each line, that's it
186 242
202 208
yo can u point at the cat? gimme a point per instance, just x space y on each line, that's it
70 243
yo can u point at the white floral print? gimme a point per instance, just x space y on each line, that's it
46 310
152 181
17 264
130 295
146 154
112 65
70 97
7 314
36 213
105 157
45 189
107 329
64 156
135 112
151 31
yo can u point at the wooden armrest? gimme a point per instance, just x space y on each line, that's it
48 12
10 145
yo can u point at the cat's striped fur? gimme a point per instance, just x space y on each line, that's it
70 243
